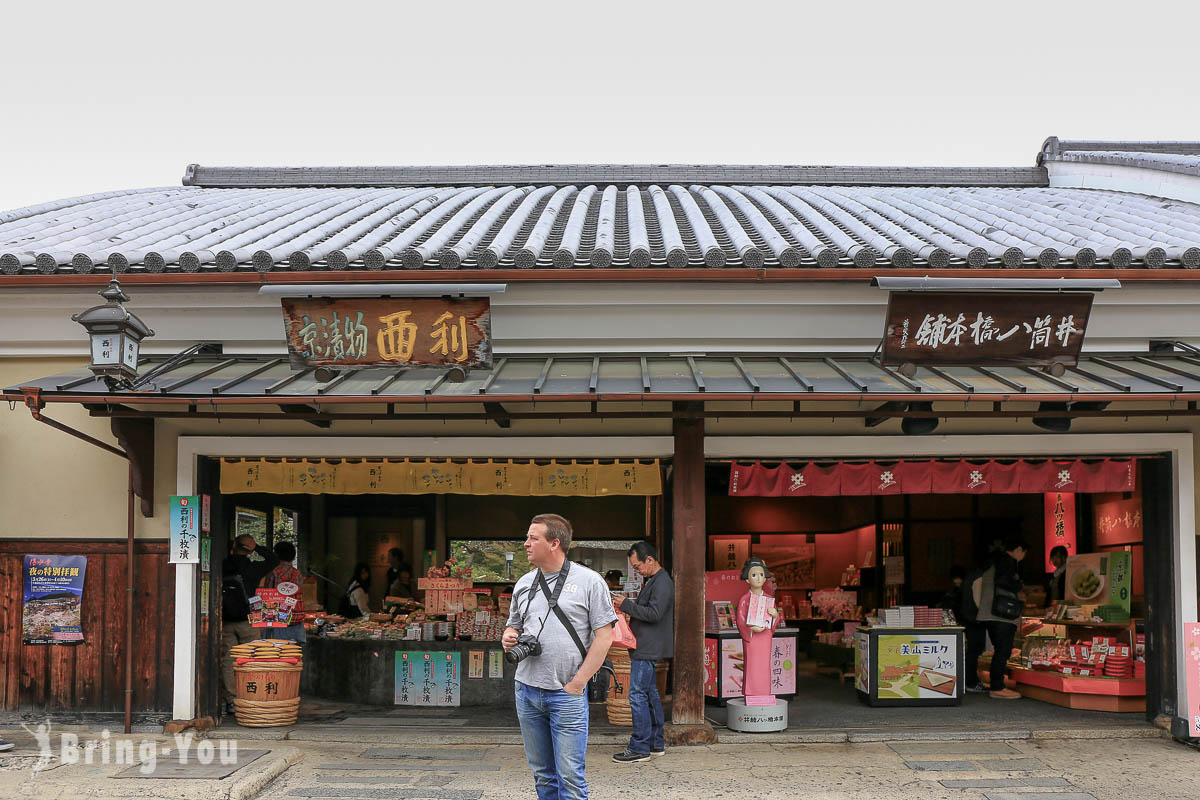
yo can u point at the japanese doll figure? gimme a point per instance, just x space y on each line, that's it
756 639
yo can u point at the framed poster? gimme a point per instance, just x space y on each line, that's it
53 597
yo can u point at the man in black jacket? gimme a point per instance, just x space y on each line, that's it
652 619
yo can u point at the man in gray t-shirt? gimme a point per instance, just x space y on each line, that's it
551 688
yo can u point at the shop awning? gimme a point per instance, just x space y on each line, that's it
214 380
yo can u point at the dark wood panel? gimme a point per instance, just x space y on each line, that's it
89 664
10 621
91 676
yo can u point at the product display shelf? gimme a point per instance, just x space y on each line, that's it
1089 692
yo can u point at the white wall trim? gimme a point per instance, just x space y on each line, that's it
191 447
1178 445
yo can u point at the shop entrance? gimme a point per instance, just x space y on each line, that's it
396 581
871 589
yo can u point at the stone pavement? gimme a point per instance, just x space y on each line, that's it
961 768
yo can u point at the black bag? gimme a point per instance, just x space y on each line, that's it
600 683
1006 588
234 605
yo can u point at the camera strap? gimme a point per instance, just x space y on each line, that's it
552 599
554 606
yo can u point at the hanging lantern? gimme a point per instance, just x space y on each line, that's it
116 336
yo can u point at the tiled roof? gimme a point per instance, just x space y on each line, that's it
714 225
228 378
620 175
1180 157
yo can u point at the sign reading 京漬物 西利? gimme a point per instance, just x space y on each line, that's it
185 530
388 331
1027 328
53 599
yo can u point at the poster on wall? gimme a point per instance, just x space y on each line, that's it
1191 658
1100 579
53 597
791 559
425 678
913 666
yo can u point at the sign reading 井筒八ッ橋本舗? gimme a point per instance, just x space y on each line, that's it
985 328
388 331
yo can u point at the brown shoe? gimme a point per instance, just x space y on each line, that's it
1005 694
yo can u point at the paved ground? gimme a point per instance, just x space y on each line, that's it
962 768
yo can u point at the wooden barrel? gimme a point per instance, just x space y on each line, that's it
268 693
617 705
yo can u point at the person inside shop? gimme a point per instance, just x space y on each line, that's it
652 619
396 565
355 598
401 585
286 572
241 572
995 600
615 580
554 663
1056 586
952 599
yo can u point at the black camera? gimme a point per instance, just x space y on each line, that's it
525 647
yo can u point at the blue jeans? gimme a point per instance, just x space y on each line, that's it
647 708
293 633
554 727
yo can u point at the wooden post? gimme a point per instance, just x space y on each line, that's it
688 549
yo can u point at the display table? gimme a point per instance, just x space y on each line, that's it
1074 691
723 663
364 671
909 666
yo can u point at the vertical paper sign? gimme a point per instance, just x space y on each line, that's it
1191 658
204 595
185 530
405 683
711 657
475 666
206 513
495 663
53 597
1060 523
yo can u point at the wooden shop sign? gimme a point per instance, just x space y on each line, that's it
985 329
388 331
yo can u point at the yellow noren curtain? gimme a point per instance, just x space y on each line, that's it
432 476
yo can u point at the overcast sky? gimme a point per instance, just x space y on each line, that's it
112 95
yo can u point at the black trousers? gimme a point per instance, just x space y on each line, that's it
1002 635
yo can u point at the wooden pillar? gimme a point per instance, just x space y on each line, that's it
689 540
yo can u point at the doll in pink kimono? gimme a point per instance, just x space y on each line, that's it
756 639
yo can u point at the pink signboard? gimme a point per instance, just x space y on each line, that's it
783 665
1191 658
